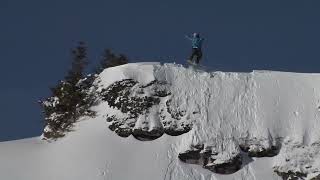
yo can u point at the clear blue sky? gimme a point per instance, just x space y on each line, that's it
36 37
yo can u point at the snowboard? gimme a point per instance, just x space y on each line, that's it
193 64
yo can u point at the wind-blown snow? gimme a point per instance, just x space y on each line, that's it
225 109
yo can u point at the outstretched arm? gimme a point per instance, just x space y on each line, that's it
188 37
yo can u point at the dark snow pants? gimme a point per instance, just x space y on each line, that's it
196 52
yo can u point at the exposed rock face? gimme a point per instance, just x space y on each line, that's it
260 147
191 156
227 158
173 126
290 175
145 110
194 155
144 134
298 164
118 127
118 95
213 159
227 167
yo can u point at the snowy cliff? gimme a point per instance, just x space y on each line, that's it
169 122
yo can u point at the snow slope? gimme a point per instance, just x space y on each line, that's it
259 109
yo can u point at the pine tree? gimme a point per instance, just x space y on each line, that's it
110 59
71 98
79 62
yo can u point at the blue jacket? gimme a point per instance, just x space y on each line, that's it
196 42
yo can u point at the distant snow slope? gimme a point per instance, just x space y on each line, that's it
266 121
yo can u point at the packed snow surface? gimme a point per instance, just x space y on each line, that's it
225 109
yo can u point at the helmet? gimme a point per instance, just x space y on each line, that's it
196 34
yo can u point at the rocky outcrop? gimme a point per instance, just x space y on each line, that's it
145 134
226 158
257 150
194 155
145 110
290 175
263 147
298 160
215 161
119 96
118 127
227 167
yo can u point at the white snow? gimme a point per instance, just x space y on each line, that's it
265 105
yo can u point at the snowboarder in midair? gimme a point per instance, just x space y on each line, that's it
196 41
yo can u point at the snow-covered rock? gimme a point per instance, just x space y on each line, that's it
173 122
